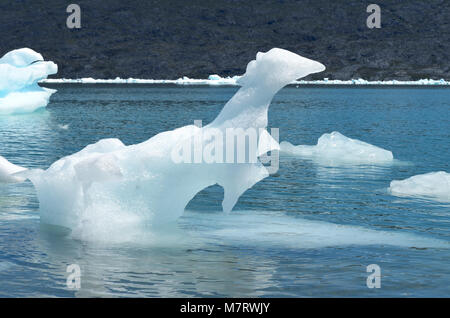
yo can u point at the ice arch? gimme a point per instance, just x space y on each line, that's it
110 184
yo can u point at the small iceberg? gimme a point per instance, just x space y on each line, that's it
336 148
20 71
433 186
9 172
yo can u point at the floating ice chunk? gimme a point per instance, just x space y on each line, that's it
63 127
433 185
108 185
25 100
214 77
20 71
8 172
337 148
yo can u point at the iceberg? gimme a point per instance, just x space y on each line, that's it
337 148
9 172
20 72
108 186
433 185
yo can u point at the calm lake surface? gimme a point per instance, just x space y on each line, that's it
309 230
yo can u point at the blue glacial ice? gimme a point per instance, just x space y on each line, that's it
335 148
433 186
109 186
20 71
9 172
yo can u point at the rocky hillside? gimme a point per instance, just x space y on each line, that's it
172 38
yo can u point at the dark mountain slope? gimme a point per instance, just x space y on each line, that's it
169 39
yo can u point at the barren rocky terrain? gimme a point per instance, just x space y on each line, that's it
168 39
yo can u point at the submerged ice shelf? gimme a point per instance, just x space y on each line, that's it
20 71
433 185
276 229
336 148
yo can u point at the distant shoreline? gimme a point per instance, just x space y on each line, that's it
216 80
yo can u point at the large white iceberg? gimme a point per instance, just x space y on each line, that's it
20 71
433 185
108 185
337 148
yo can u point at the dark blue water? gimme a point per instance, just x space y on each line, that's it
309 230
